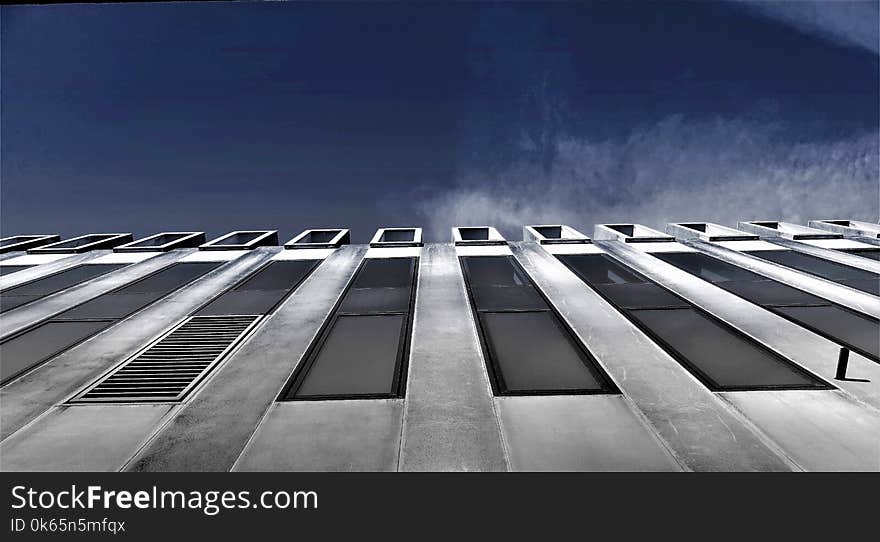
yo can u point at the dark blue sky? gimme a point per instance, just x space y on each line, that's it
233 116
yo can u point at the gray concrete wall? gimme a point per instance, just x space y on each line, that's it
449 420
35 392
212 429
356 435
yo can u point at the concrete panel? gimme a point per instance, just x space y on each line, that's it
821 431
81 438
32 394
214 426
579 433
796 343
361 435
45 264
703 432
32 313
449 419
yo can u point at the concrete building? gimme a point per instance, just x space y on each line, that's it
701 348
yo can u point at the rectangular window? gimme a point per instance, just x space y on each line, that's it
853 330
42 287
262 291
529 350
714 351
24 351
363 349
859 279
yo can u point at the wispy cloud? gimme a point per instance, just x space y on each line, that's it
721 170
853 24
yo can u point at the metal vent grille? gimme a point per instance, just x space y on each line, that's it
170 367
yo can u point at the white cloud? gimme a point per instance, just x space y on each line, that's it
719 171
853 24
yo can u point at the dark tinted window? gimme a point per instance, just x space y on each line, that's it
768 292
240 238
8 269
600 269
528 348
262 291
362 350
359 357
9 302
397 236
533 353
110 306
169 279
869 286
724 359
813 265
280 275
29 349
474 234
385 273
858 332
63 280
493 271
318 237
159 240
550 232
707 267
640 295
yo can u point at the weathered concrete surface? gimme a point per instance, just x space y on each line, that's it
212 429
81 438
357 435
36 391
579 433
847 297
798 344
66 261
703 432
27 315
820 430
845 258
449 421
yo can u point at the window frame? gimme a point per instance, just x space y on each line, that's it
493 368
401 364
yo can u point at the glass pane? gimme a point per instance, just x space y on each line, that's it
29 349
159 240
493 271
169 279
9 302
244 302
494 298
359 357
366 300
848 328
63 280
641 295
769 292
111 306
534 354
83 241
397 236
600 269
813 265
9 269
385 273
721 354
707 267
278 276
240 238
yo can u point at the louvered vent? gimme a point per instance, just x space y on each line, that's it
169 368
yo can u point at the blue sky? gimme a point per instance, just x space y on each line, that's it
286 116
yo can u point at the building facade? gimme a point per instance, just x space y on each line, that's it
702 348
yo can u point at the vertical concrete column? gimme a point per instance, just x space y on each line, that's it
449 421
